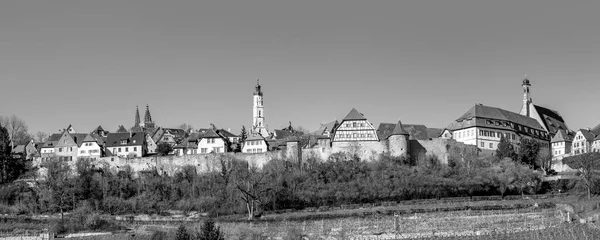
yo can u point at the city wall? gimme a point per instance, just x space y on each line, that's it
366 151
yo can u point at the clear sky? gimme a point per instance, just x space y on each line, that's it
89 63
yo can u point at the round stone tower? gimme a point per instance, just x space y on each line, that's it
398 142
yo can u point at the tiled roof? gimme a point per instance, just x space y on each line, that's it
114 139
561 136
493 113
211 134
19 149
327 126
588 134
255 137
52 140
89 138
226 133
121 129
78 137
417 132
552 120
354 115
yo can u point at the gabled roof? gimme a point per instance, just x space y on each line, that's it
254 137
121 129
561 136
52 140
587 134
355 115
327 126
226 133
487 112
99 128
211 134
89 138
552 120
114 139
78 137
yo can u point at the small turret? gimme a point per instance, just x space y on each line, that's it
398 141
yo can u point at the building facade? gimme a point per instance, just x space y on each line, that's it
484 126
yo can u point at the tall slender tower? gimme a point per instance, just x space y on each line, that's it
258 123
527 100
137 117
148 123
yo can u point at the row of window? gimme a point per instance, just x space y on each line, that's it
254 150
482 144
215 150
354 124
254 143
89 151
210 140
517 127
493 134
356 135
126 149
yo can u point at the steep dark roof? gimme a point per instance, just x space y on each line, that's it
226 133
399 130
481 111
78 137
255 137
417 132
355 115
434 132
52 140
114 139
552 120
121 129
588 134
211 134
327 126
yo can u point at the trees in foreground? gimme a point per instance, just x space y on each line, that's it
588 166
239 188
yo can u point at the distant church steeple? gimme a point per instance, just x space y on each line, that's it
148 123
137 117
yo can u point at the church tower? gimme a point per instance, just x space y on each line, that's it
137 117
527 100
148 123
258 123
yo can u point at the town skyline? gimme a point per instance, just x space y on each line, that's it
90 64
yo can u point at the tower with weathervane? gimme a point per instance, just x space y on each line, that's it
258 123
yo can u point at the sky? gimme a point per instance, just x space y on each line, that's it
90 63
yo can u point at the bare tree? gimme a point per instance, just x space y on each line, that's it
41 136
251 184
588 165
17 130
186 127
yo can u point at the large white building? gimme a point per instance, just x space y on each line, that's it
484 126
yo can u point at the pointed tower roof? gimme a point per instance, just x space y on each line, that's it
147 116
354 115
399 130
137 117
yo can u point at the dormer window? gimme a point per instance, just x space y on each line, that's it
133 141
124 141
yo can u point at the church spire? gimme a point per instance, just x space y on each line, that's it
147 116
137 117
